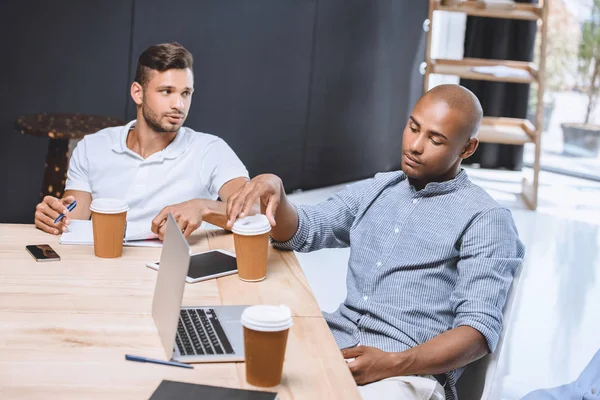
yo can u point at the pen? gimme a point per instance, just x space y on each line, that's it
70 207
152 360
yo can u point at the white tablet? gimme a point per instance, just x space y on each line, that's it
207 265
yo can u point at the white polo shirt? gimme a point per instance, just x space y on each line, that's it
194 165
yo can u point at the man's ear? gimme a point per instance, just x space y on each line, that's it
137 93
470 148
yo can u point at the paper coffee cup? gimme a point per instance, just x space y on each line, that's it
108 222
265 337
251 239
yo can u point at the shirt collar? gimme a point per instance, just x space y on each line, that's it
436 188
172 151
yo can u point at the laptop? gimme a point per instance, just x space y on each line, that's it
191 334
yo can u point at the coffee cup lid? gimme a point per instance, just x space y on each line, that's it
252 225
109 206
266 318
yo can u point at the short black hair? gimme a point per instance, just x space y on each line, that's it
162 57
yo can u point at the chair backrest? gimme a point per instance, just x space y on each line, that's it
476 380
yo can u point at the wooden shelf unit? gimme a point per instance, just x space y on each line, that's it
521 11
464 69
506 131
511 131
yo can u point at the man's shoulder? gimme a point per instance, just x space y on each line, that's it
384 179
478 197
476 202
105 136
199 140
369 189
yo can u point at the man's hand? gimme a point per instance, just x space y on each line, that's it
188 215
268 188
369 365
47 211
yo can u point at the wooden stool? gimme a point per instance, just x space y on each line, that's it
60 128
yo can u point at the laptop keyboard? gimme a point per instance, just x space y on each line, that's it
199 332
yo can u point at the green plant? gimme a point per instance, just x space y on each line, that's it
589 57
563 38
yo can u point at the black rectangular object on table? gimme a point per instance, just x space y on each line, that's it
168 390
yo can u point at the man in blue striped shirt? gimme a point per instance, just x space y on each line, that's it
432 255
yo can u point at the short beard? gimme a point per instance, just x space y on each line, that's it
153 120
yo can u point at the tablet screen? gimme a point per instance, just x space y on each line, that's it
211 263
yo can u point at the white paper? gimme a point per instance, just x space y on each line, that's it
137 235
139 231
499 4
502 71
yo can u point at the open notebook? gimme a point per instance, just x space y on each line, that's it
137 234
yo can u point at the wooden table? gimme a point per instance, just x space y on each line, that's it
66 326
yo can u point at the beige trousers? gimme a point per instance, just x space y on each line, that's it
404 388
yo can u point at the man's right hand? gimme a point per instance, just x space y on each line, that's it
47 211
268 188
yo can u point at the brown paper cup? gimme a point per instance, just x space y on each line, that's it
265 352
108 222
265 340
251 239
251 255
109 231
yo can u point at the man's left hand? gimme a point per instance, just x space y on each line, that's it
370 364
187 214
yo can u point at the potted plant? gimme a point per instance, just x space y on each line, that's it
583 139
561 55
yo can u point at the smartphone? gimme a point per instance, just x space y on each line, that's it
207 265
42 252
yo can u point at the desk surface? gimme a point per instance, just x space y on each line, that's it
66 326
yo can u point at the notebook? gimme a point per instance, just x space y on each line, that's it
137 234
168 390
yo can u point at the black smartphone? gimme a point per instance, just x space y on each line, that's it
42 252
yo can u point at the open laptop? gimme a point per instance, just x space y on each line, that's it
191 334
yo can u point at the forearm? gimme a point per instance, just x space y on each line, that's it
214 212
286 219
448 351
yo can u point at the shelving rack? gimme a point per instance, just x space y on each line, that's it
497 129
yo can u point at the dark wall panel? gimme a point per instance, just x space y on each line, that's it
316 91
366 62
59 56
252 63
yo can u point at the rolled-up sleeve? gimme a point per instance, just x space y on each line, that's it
490 253
223 165
327 225
77 175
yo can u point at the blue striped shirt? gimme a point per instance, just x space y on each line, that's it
421 262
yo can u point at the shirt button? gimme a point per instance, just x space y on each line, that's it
365 298
396 230
415 201
378 263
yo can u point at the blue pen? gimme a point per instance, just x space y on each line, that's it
152 360
70 207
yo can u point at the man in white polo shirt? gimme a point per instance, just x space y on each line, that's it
152 163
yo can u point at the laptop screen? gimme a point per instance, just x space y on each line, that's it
170 283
